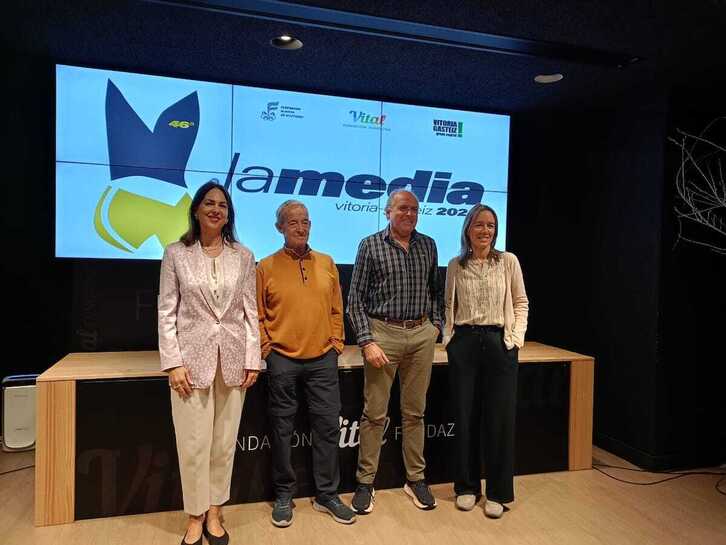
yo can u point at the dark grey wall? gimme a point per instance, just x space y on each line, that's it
586 201
37 288
690 402
591 218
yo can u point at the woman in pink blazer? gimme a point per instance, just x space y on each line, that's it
209 345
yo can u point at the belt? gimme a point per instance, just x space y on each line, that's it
405 324
470 327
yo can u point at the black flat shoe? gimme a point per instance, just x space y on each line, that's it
215 540
197 542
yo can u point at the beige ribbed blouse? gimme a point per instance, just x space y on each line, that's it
515 305
215 279
480 288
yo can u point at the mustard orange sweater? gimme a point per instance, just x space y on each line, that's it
300 305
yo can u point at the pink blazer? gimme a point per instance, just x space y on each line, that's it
190 329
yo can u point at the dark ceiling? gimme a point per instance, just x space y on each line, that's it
680 46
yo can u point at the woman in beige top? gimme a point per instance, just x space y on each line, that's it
486 318
209 344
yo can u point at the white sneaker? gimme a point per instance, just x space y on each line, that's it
493 509
465 502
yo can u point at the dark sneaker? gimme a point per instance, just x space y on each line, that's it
363 499
336 509
420 494
282 512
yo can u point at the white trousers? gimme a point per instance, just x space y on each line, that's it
206 426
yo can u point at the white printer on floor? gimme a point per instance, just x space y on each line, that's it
18 412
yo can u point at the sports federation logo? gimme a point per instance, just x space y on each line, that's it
124 219
271 112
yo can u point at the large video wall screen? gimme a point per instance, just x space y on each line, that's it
132 149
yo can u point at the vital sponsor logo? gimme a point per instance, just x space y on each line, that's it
444 127
365 118
349 436
271 113
428 186
350 431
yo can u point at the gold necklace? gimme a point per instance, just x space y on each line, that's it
211 249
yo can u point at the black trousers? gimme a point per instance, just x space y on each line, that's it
319 377
483 379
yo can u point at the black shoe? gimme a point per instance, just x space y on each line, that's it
282 512
420 494
197 542
336 509
215 540
363 499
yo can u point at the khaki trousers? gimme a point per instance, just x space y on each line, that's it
206 426
411 353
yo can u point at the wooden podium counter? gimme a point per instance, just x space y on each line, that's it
56 413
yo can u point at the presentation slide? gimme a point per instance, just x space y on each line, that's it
132 149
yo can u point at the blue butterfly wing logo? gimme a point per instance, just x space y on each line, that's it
134 150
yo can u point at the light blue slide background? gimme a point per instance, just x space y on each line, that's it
309 131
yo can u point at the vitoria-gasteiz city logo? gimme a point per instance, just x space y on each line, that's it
445 127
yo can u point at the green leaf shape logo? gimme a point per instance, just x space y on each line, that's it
136 219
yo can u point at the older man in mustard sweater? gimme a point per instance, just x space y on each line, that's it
301 331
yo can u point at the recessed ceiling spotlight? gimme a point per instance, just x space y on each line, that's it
286 42
548 78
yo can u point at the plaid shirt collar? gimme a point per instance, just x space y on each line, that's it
386 233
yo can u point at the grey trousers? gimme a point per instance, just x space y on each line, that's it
319 377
